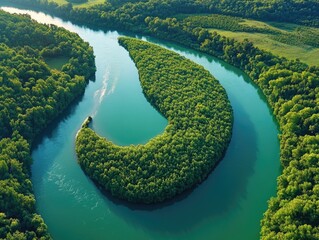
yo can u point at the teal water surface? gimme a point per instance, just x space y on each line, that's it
228 205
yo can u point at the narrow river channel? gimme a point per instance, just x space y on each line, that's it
228 205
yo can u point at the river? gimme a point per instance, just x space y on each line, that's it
228 205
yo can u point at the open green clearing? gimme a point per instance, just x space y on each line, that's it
268 41
89 3
56 62
276 26
263 41
283 39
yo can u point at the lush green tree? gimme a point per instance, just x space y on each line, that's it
31 96
198 132
290 87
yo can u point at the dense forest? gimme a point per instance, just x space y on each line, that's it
130 14
198 132
31 96
291 87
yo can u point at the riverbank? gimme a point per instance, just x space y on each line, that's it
228 199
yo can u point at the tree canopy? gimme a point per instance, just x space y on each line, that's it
31 96
292 91
291 87
198 132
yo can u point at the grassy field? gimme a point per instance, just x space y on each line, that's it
268 42
56 62
284 39
87 4
275 26
307 54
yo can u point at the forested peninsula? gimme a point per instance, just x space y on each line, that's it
32 95
198 132
291 87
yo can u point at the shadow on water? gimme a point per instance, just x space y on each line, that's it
218 195
214 201
195 53
52 130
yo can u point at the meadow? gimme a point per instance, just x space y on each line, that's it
283 39
89 3
305 53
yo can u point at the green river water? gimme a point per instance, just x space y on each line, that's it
228 205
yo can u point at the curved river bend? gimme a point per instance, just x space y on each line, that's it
228 205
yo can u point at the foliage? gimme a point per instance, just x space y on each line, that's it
31 96
295 42
133 11
131 14
292 214
222 22
198 132
18 219
299 35
292 90
266 42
